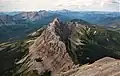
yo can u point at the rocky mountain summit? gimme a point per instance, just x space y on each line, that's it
48 53
58 51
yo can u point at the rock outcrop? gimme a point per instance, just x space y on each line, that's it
48 53
104 67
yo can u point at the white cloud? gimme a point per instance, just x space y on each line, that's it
12 5
89 4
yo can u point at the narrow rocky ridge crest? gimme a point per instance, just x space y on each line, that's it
48 53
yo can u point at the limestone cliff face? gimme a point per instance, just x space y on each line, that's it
48 53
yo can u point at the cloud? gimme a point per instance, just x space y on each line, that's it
29 5
108 5
26 5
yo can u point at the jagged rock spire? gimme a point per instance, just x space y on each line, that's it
56 21
48 53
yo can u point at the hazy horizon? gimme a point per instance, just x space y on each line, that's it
56 10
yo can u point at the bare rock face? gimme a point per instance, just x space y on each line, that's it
32 16
104 67
50 56
47 54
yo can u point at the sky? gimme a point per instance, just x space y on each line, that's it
77 5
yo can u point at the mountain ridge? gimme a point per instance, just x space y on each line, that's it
49 53
62 49
58 49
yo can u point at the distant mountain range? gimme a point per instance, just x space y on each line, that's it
26 22
94 17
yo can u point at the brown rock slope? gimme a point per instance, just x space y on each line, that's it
49 56
48 53
104 67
